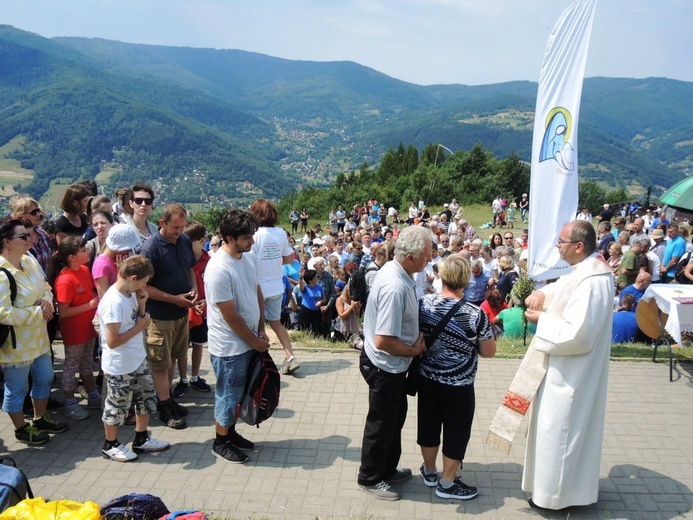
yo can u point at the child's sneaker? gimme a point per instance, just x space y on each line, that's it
180 389
118 453
94 403
430 479
30 435
49 425
150 446
76 412
200 385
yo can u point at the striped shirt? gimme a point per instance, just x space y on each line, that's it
452 359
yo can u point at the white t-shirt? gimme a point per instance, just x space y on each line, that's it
229 279
115 307
270 246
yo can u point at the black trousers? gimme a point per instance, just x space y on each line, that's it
382 436
310 320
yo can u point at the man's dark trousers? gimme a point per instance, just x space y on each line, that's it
382 436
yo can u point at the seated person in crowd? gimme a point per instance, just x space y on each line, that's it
625 327
637 289
494 304
511 320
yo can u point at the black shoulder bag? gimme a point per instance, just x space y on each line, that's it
411 385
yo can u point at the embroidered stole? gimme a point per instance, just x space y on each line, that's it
532 370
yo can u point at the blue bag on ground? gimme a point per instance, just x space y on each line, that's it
14 486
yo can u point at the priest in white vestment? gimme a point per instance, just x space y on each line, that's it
574 319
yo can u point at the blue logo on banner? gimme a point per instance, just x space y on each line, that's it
556 142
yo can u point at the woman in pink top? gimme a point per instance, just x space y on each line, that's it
121 241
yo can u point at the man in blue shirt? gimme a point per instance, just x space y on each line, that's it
172 291
637 289
476 290
676 248
625 325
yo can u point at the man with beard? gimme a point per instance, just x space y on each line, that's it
235 316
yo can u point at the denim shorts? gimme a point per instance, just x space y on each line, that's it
231 373
273 307
17 383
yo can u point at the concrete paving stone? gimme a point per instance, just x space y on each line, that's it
307 456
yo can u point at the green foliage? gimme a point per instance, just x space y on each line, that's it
592 196
473 176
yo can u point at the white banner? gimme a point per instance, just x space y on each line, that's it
554 184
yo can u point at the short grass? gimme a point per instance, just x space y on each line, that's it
505 348
476 214
11 172
50 201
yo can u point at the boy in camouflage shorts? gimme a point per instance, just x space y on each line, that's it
122 321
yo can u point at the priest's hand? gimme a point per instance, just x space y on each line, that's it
535 301
532 315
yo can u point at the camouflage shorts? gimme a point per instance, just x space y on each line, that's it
121 391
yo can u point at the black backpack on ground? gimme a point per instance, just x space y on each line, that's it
261 395
134 506
8 330
679 275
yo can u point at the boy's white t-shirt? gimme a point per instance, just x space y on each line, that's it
115 307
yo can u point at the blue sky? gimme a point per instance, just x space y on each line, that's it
421 41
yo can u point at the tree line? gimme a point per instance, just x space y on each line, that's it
405 175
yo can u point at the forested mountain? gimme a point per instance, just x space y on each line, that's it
205 124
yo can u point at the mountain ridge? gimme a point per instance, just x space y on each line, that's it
232 116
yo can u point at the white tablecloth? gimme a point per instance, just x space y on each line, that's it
680 314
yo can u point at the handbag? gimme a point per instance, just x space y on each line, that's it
411 383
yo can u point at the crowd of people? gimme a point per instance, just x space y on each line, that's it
142 296
642 247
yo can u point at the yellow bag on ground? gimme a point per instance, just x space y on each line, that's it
39 509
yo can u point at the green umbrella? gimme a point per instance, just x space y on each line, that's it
680 195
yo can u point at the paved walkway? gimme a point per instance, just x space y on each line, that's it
307 455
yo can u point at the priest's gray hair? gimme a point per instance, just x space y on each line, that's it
412 241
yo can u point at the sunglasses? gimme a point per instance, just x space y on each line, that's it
35 212
23 236
509 238
141 200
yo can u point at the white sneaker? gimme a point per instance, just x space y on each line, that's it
119 454
150 446
77 412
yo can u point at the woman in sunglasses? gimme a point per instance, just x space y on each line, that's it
27 350
142 203
24 207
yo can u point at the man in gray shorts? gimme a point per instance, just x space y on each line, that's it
272 250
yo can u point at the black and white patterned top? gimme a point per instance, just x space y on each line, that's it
453 358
